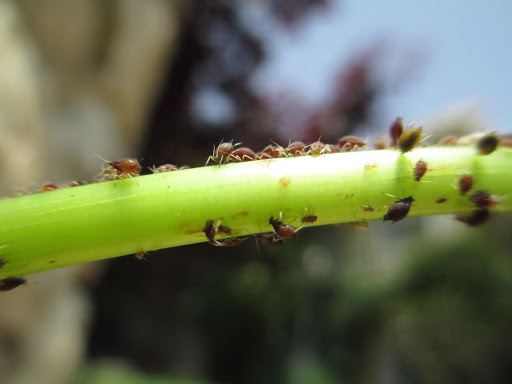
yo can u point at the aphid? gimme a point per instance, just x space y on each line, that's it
474 218
362 225
210 230
263 156
183 167
77 183
222 229
380 144
409 139
487 144
121 169
11 283
21 191
2 262
140 255
419 170
329 148
309 219
482 199
296 148
506 142
368 208
242 154
441 200
275 151
399 209
272 239
465 184
164 168
316 148
286 231
49 187
222 152
347 143
232 242
449 141
395 131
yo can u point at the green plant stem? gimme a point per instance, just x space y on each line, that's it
104 220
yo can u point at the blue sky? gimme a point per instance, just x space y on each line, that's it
466 47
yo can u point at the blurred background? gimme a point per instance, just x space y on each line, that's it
426 300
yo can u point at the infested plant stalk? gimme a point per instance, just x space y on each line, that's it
140 214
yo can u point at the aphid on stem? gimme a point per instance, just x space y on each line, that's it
49 187
395 131
272 239
487 144
409 139
465 184
10 283
399 209
164 168
222 152
141 255
121 169
348 143
286 231
419 170
483 199
242 154
275 150
474 218
296 148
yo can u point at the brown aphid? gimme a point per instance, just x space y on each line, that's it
286 231
78 183
441 200
141 255
121 169
409 139
242 154
361 225
330 148
263 156
11 283
506 142
296 148
399 209
272 239
222 229
275 151
126 166
183 167
419 170
49 187
347 143
309 219
316 148
210 230
483 199
21 191
449 141
396 130
474 218
487 144
231 242
368 208
164 168
465 184
222 152
380 144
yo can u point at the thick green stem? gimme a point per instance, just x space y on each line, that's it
105 220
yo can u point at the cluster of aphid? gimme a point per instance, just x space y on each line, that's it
276 238
403 139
